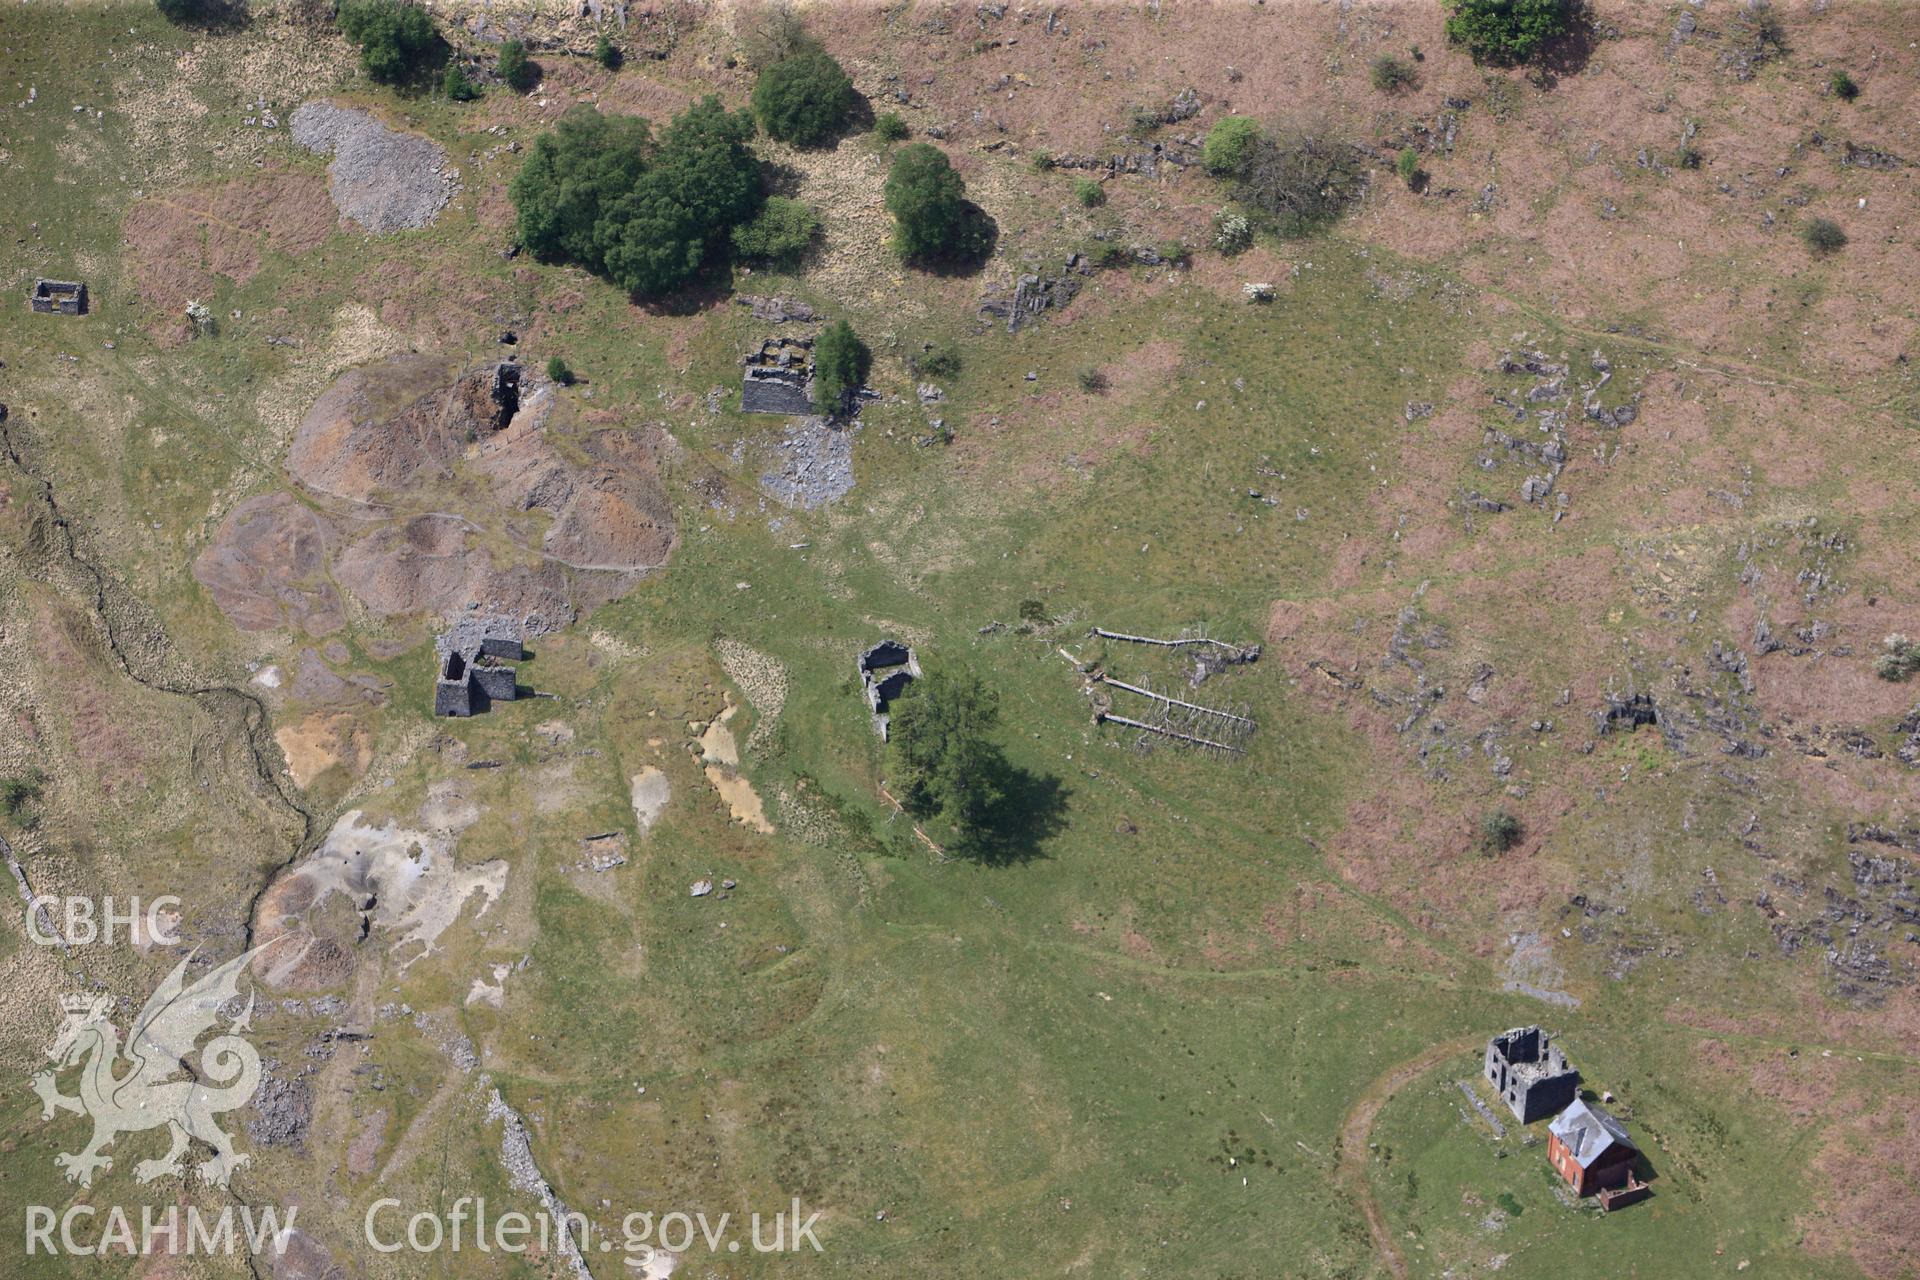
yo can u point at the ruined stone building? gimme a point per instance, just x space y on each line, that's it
779 378
61 297
475 660
1531 1073
885 672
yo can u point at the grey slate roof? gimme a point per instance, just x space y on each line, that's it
1588 1132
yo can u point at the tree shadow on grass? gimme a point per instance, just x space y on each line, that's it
971 249
215 17
860 117
422 79
710 288
1031 810
781 179
1567 54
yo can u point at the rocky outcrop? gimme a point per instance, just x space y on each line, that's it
1034 293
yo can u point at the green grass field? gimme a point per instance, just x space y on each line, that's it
1130 1037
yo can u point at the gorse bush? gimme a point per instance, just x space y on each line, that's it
1089 193
1389 74
19 795
1499 832
890 127
1824 236
1229 145
781 233
1898 658
940 360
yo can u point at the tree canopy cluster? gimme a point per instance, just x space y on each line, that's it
602 192
841 363
396 39
943 758
804 98
1505 31
928 202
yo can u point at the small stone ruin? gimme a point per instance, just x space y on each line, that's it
1627 712
885 672
1034 293
1531 1073
475 660
779 378
59 297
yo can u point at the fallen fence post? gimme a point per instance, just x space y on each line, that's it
1237 650
1161 697
1170 733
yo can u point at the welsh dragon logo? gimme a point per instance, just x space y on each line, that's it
149 1095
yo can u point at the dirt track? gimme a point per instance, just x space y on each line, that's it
1352 1172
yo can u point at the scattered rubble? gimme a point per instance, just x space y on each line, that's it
1034 293
523 1174
604 852
383 180
814 465
776 310
1853 929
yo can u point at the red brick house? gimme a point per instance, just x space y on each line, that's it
1590 1149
